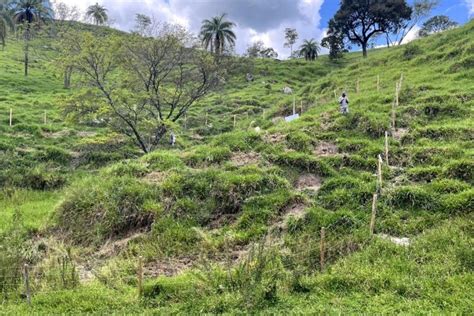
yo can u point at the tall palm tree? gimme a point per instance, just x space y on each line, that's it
6 21
98 14
27 12
216 33
310 49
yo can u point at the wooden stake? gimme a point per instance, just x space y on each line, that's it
401 81
386 148
207 115
235 120
379 172
140 276
322 248
301 106
11 117
374 212
294 105
185 121
378 83
27 283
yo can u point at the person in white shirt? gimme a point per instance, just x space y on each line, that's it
344 103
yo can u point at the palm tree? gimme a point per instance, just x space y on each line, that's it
98 14
310 49
27 12
6 21
216 33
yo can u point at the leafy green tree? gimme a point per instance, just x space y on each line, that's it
291 36
216 33
334 41
29 14
258 50
140 86
142 24
360 20
310 49
437 24
98 14
420 10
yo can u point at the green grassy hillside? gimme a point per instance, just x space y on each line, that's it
230 220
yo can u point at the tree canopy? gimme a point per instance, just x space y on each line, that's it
437 24
360 20
310 49
98 14
217 34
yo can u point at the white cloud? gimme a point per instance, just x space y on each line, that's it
263 20
470 5
412 35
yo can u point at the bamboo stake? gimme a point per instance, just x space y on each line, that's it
301 107
11 117
378 83
294 105
386 148
185 121
235 120
27 284
207 116
374 212
140 276
322 248
379 171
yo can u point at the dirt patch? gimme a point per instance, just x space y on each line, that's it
155 177
113 248
86 134
60 134
296 211
274 138
171 267
325 149
399 133
309 182
243 159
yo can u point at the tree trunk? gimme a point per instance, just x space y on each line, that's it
27 48
364 49
67 77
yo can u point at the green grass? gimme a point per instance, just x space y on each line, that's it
223 189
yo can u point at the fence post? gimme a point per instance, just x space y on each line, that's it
379 171
374 212
11 117
140 276
27 283
322 248
386 148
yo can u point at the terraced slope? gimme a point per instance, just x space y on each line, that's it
230 221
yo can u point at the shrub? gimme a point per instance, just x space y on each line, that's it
302 161
129 168
448 186
413 197
425 174
299 141
163 160
205 155
458 203
462 170
411 51
40 178
94 210
53 153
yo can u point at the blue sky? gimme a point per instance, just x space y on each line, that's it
257 20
